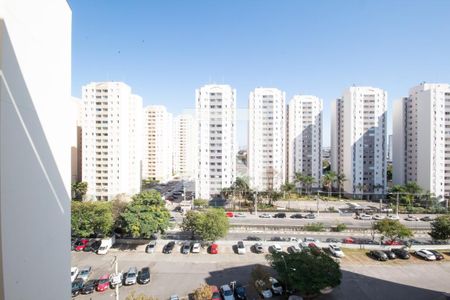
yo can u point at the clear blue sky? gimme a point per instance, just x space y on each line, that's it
166 49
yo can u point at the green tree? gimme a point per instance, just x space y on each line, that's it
327 180
308 181
299 178
440 228
389 172
307 272
91 218
145 215
288 188
208 225
393 229
201 202
203 292
259 273
340 179
79 190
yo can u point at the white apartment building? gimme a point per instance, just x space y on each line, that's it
358 139
305 137
217 149
75 147
421 138
112 140
35 139
184 146
157 164
267 139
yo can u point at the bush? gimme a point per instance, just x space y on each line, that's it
332 209
314 227
340 227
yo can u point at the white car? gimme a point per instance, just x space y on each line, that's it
336 251
377 217
365 217
425 254
265 216
393 217
262 288
294 249
84 273
116 280
226 292
73 273
239 215
311 240
276 286
196 248
411 218
240 247
276 248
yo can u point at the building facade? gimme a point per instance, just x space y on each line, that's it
76 144
267 139
358 139
216 140
305 137
157 164
35 140
184 146
421 138
112 140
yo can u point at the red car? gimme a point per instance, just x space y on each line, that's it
348 240
214 249
215 293
103 283
393 243
81 244
314 248
229 214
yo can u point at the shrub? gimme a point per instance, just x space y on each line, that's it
314 227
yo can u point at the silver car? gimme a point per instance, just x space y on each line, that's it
150 247
131 276
186 248
84 273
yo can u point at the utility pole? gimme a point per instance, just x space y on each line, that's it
397 204
116 268
256 203
317 199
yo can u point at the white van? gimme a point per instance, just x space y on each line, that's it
240 247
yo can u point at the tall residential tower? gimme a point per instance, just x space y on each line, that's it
184 146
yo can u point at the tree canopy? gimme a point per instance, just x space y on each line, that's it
79 190
393 229
440 228
203 292
208 225
91 218
307 272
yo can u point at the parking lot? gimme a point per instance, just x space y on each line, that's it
180 274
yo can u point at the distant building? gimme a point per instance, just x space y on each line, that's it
326 153
389 147
358 139
217 148
158 144
267 139
184 146
112 140
305 137
421 138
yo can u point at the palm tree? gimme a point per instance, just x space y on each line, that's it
299 178
360 187
288 187
328 180
340 179
308 181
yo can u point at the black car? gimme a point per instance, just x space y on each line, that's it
438 255
401 253
426 219
239 291
378 255
390 254
297 216
253 238
89 287
144 276
278 239
77 286
91 245
279 215
169 247
333 240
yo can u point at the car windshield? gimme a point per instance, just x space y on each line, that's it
227 293
102 281
216 295
337 249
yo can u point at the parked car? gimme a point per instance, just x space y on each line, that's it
393 217
174 297
332 240
378 217
150 248
239 291
229 214
393 242
196 248
144 276
73 241
77 286
168 248
263 289
239 215
240 247
103 283
426 254
73 273
365 241
401 253
314 248
411 218
336 250
310 216
88 247
214 249
89 287
276 286
265 216
390 254
378 255
348 240
178 209
258 248
275 248
364 217
279 215
131 276
311 240
426 219
115 279
226 292
253 238
278 239
294 249
84 273
186 248
437 254
297 216
80 244
215 293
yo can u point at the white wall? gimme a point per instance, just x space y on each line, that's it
35 58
